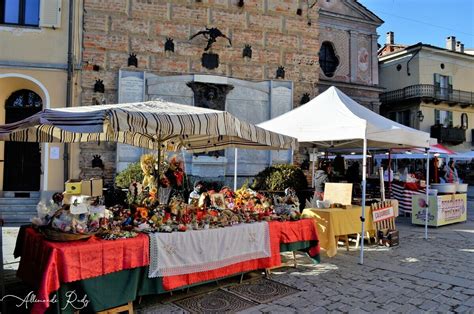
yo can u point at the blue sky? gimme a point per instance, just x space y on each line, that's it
428 21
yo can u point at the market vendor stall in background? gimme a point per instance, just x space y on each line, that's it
333 121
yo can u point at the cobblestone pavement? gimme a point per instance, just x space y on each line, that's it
434 275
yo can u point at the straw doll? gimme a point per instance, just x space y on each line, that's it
147 163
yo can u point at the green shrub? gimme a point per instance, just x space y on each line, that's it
132 173
280 177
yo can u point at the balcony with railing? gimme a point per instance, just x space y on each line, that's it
430 93
448 135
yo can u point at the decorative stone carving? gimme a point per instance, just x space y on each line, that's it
208 95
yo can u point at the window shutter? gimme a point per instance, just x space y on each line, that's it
450 84
50 13
437 82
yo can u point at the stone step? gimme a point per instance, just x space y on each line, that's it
21 194
17 221
18 207
18 201
19 211
16 224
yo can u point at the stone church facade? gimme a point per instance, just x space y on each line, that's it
348 53
268 63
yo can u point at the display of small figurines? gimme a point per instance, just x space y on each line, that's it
135 193
148 163
115 235
213 209
195 195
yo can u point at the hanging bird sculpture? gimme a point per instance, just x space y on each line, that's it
211 34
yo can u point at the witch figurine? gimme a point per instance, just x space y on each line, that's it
196 193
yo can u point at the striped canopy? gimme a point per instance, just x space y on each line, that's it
145 124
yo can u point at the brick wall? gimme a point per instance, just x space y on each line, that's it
278 36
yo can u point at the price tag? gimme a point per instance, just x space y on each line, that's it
97 209
79 209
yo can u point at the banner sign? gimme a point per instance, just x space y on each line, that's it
382 214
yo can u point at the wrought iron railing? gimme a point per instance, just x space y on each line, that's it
448 134
428 91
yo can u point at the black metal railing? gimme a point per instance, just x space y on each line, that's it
428 91
448 134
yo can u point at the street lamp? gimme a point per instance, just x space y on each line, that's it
420 116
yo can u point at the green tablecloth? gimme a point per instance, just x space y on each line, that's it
121 287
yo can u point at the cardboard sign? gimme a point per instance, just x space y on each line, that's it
382 213
340 193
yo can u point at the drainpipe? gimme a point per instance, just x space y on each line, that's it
70 73
408 63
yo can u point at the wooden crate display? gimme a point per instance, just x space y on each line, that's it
384 220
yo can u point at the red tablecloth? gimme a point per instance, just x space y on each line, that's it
280 232
45 264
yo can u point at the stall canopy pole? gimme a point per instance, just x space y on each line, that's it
186 185
362 218
2 275
235 169
314 161
427 188
389 170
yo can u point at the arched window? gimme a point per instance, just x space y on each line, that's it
464 121
328 61
24 98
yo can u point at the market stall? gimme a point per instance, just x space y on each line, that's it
333 120
125 264
159 126
335 224
443 210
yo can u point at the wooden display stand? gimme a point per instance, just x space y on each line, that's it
119 309
384 220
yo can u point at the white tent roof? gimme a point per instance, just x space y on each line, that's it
333 119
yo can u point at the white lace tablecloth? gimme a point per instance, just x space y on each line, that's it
180 253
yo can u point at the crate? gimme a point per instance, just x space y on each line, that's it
92 187
73 187
389 238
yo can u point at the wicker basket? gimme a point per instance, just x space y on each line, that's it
54 235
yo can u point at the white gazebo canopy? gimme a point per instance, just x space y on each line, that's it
333 119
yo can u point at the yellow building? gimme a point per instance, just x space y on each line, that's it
35 74
430 88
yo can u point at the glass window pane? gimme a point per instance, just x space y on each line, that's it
12 10
437 118
32 12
